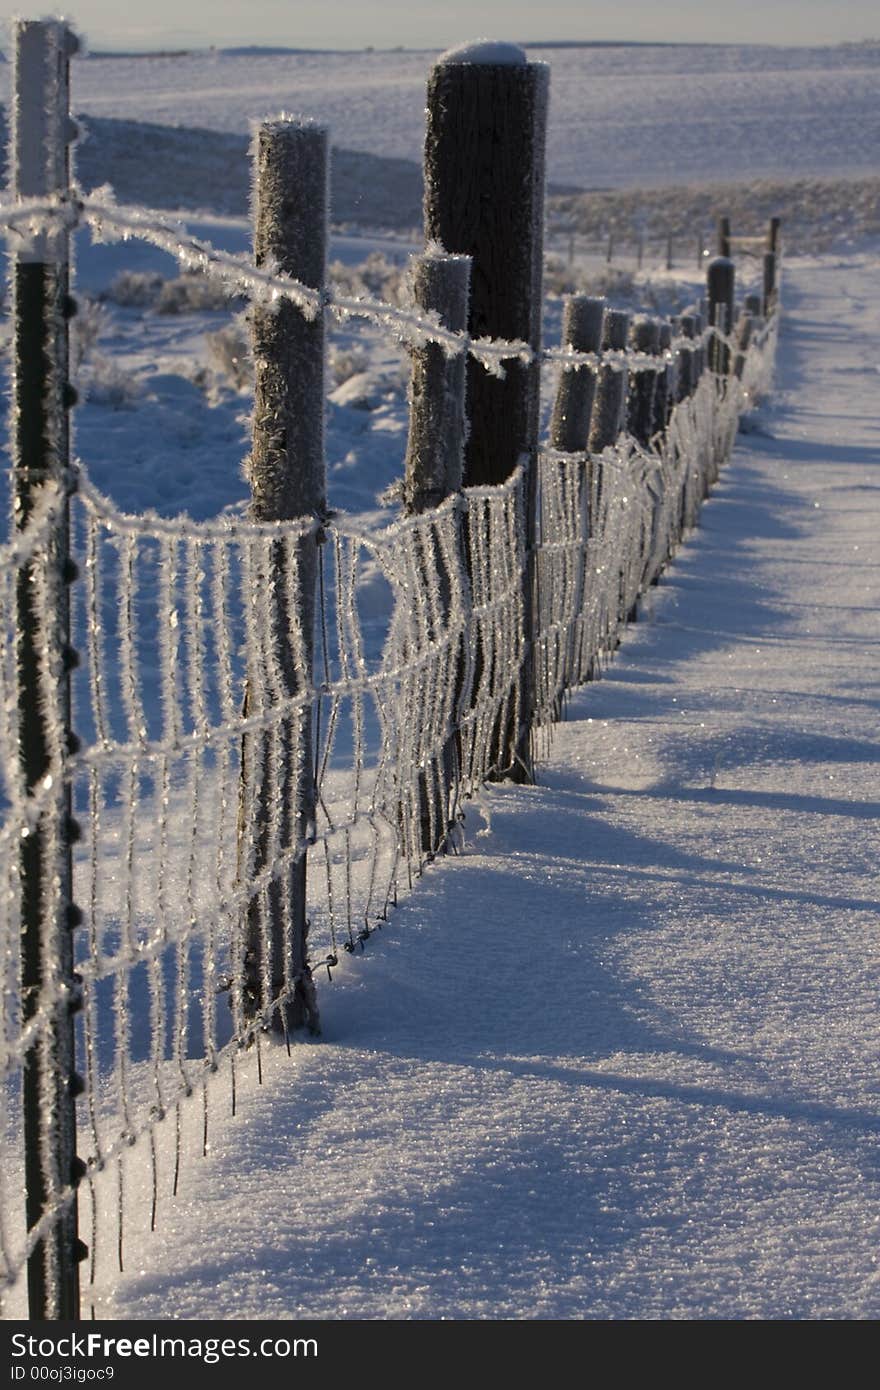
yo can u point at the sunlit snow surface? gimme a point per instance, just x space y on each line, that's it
618 1060
618 116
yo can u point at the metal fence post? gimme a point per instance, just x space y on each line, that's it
287 477
40 438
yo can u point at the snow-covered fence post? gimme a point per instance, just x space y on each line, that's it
287 477
484 198
582 332
744 327
664 392
643 384
611 389
569 433
720 294
434 467
42 133
686 354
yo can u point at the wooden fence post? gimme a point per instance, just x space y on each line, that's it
287 478
433 471
720 294
434 466
642 385
611 389
773 227
769 294
665 378
581 331
484 198
44 657
569 432
724 237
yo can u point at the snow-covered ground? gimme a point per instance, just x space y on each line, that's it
619 1059
619 116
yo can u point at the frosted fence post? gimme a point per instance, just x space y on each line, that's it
743 339
642 386
41 135
773 227
724 237
581 331
664 390
434 465
720 292
753 304
610 402
687 374
287 478
569 431
484 198
700 350
769 295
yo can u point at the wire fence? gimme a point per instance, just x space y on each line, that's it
203 697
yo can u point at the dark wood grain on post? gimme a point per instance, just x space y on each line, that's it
287 477
484 198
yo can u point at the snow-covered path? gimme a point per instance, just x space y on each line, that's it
619 1060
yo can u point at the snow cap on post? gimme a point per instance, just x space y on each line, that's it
490 52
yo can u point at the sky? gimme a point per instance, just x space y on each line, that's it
427 24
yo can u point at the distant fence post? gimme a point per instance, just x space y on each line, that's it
643 384
724 237
720 294
40 458
287 479
664 378
434 469
484 198
569 433
581 331
769 295
610 403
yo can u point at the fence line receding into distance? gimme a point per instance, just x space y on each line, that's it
229 746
